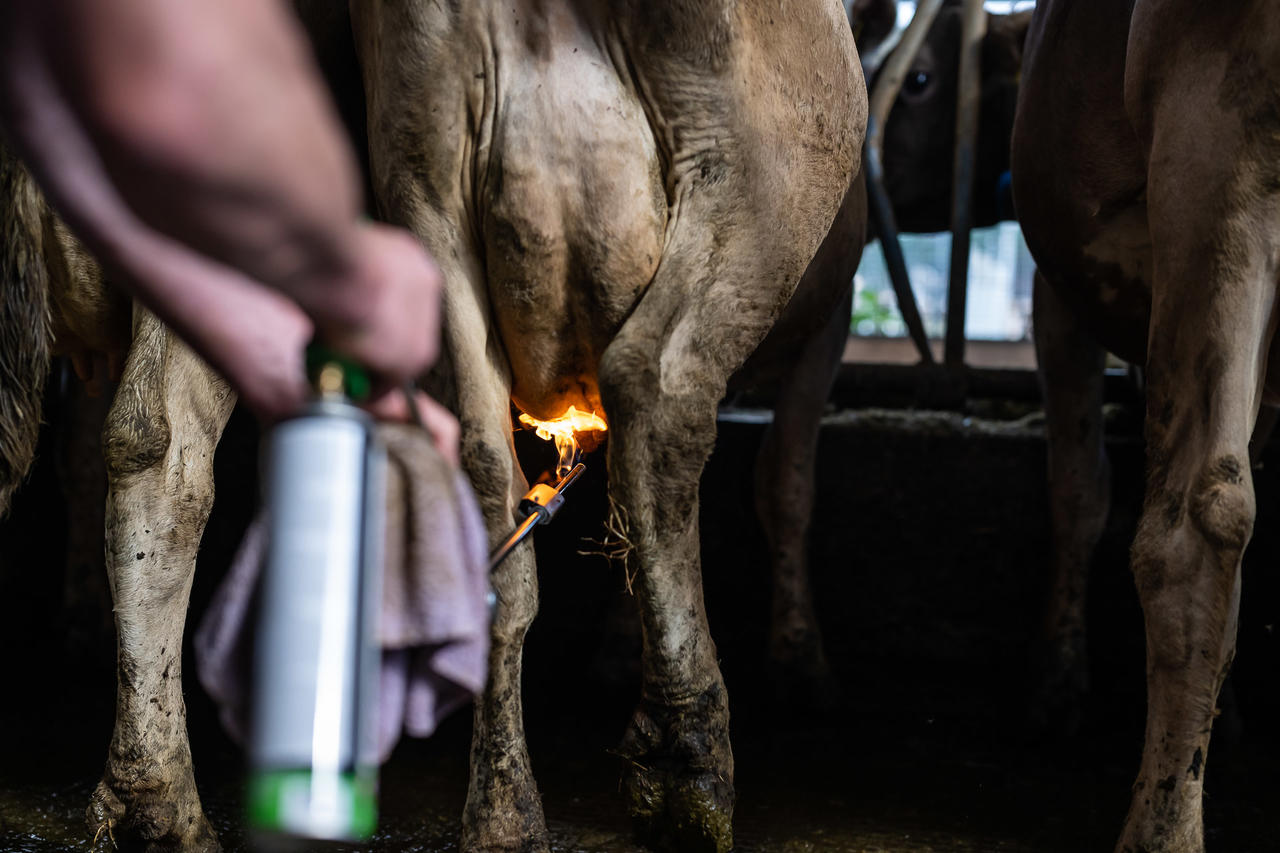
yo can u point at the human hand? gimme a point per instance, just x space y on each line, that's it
389 320
445 432
257 339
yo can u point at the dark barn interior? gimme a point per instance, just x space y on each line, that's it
928 551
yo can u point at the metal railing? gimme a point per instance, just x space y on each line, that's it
883 96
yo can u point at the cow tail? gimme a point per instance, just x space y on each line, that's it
25 323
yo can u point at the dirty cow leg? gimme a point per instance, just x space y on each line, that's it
159 442
1071 373
503 811
679 778
740 232
1213 297
784 504
661 380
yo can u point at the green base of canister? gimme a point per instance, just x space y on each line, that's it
304 804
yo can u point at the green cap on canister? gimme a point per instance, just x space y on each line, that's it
329 371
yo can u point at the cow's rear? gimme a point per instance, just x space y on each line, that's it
622 200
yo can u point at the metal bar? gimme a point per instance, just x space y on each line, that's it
568 479
517 536
906 385
887 230
863 384
968 104
887 86
895 71
534 518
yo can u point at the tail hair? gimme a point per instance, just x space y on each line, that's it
25 322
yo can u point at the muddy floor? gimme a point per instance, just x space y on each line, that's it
929 547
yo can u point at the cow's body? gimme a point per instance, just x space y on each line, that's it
1145 152
622 200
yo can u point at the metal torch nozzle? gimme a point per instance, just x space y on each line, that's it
539 506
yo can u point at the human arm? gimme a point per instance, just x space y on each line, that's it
191 147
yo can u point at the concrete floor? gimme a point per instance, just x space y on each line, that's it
928 551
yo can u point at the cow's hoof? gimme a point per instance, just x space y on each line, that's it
149 821
102 815
679 774
504 839
508 817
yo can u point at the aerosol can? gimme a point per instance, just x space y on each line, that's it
312 751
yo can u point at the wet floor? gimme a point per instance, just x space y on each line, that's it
872 785
929 537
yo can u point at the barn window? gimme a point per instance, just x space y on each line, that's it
998 310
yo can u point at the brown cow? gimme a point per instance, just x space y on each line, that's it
919 136
923 121
1144 153
622 200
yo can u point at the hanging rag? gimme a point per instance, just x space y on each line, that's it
434 628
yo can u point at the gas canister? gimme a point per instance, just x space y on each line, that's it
313 747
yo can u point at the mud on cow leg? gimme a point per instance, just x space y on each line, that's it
503 810
159 441
1071 373
679 765
1212 309
1186 561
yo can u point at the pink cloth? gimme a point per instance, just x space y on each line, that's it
435 612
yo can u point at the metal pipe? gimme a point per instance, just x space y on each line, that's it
881 210
968 105
566 481
912 386
540 504
883 96
895 71
509 544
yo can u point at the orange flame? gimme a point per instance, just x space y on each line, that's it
564 431
567 425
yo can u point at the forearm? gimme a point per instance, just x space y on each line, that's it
195 209
252 335
211 121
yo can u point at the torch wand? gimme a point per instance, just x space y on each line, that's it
539 506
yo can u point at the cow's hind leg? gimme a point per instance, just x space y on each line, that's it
784 505
1071 373
661 380
679 774
1212 320
159 442
503 810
